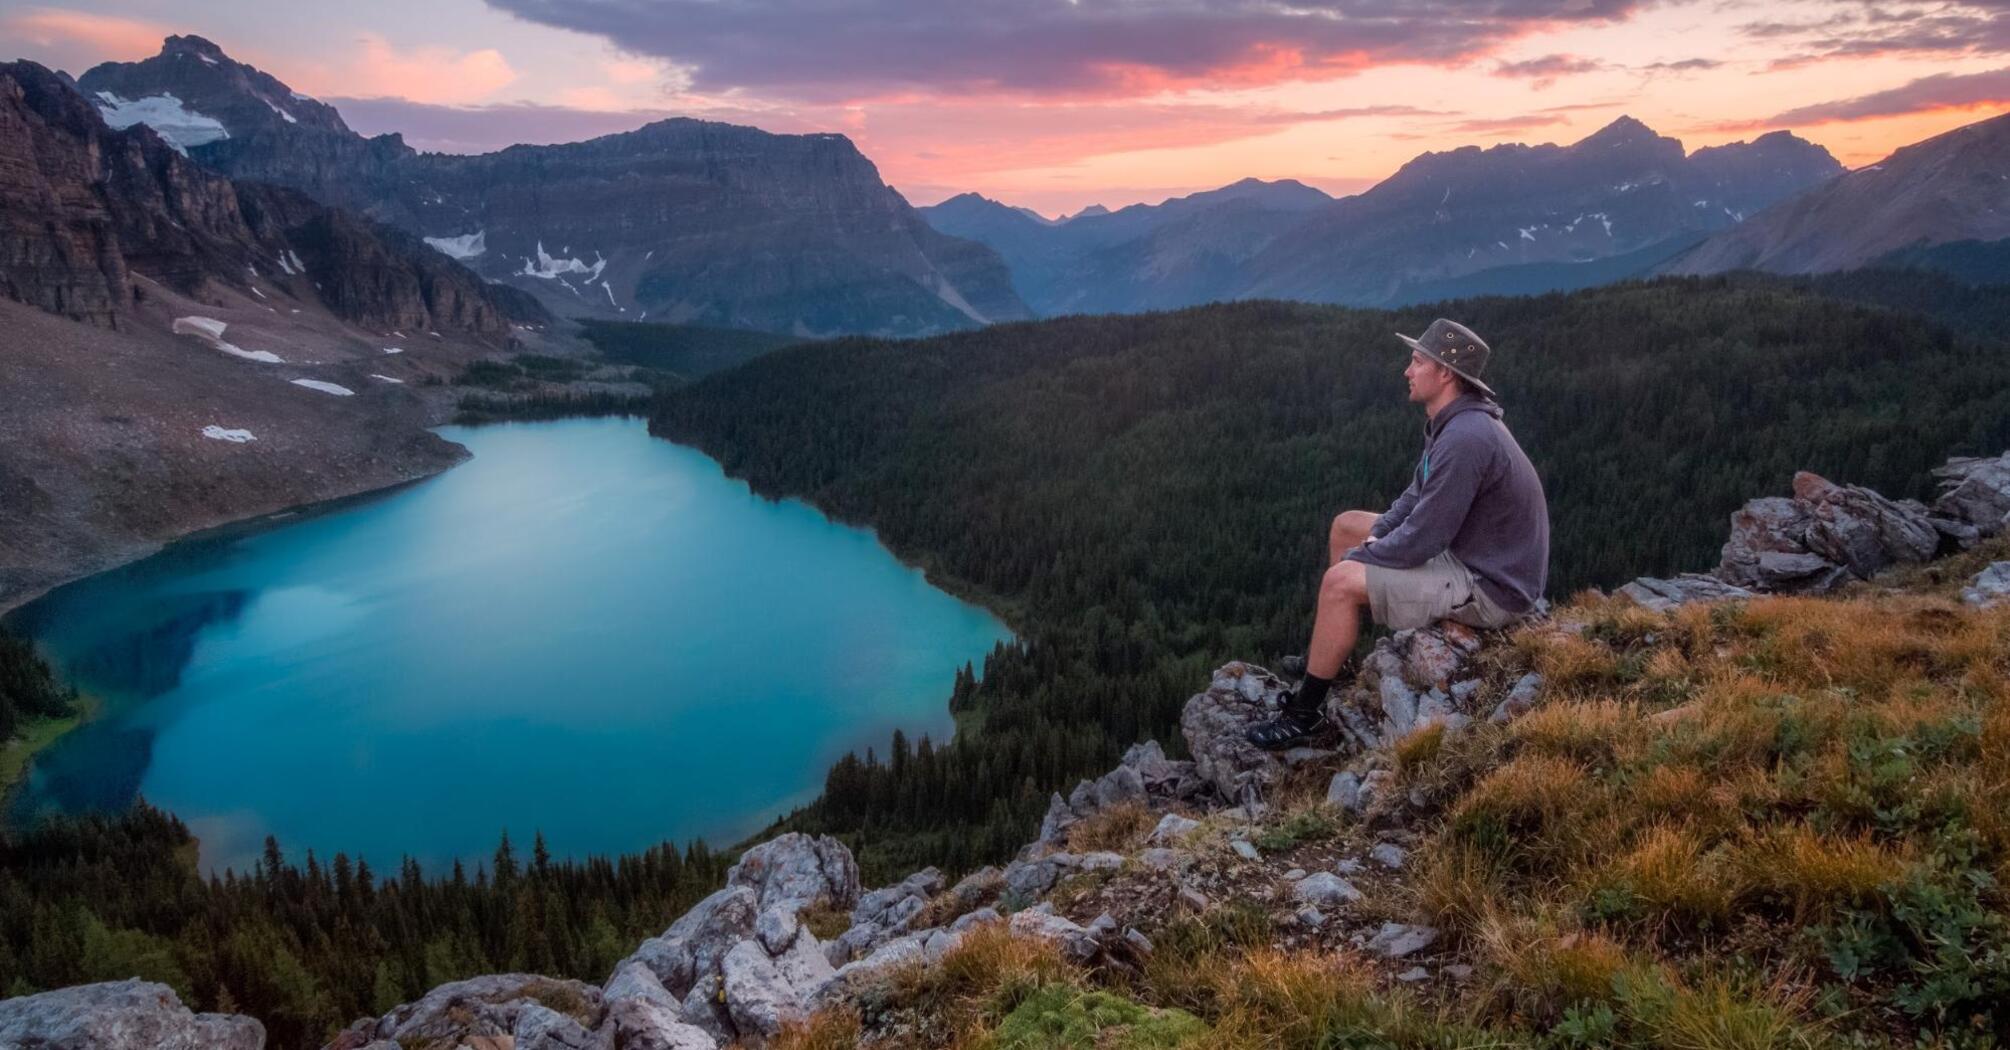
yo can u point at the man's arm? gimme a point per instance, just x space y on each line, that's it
1397 511
1458 465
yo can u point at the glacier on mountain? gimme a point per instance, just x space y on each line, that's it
175 123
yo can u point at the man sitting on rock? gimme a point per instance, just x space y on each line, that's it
1467 541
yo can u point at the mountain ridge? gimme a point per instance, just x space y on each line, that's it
668 221
1953 186
1512 217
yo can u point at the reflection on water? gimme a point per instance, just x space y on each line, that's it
583 631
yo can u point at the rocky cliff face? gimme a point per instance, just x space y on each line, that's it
1951 187
84 208
186 350
1155 842
682 220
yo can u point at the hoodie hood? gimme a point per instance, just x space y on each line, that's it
1462 404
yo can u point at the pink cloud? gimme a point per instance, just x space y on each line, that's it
431 74
95 37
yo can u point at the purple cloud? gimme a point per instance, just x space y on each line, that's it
1938 91
1542 72
824 49
484 129
1962 27
1548 67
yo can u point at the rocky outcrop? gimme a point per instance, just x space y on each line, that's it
534 1011
1144 776
1990 587
1975 493
120 1015
1663 595
1826 535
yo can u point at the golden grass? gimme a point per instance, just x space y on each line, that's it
1539 966
1815 874
1119 829
1672 880
827 1030
983 976
1419 746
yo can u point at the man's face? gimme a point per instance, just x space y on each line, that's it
1427 377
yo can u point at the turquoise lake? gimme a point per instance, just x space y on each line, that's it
583 630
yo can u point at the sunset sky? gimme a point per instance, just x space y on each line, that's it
1057 104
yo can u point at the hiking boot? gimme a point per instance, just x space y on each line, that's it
1291 728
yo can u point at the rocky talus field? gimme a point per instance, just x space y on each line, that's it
1764 806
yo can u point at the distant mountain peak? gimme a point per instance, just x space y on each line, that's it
1623 132
192 44
1089 212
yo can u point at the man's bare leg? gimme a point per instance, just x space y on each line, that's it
1335 627
1337 623
1350 530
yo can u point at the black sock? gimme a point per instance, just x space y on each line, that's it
1311 693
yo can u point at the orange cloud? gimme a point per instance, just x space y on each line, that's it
439 75
109 37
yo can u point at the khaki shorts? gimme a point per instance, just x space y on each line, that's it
1439 589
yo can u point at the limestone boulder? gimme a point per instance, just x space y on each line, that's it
1662 595
1990 587
1975 490
1213 722
120 1015
798 867
1861 530
486 1006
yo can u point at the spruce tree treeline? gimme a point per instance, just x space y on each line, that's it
27 688
307 948
1147 496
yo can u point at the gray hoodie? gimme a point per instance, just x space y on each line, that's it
1475 493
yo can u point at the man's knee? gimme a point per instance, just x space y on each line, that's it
1352 527
1346 582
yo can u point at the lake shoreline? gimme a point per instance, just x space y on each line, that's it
852 711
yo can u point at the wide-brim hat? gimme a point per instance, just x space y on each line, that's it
1453 345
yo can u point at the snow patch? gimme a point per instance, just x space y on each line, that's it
217 433
548 267
207 327
286 267
205 58
210 330
288 117
326 388
387 379
394 349
1528 232
297 264
610 298
176 124
465 246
